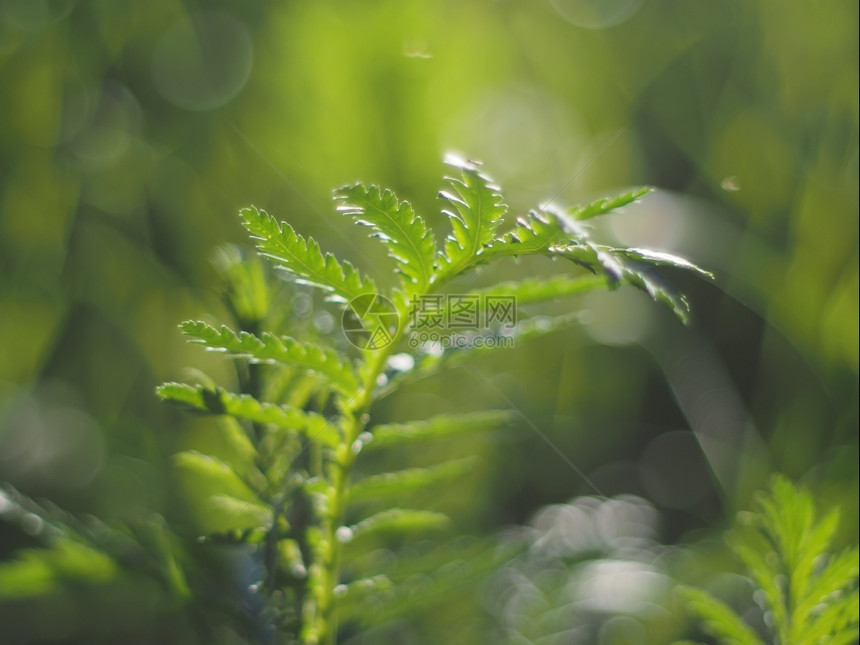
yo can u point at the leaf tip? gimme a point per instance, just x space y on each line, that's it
461 163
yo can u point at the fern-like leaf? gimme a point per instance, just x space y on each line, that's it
300 525
437 427
243 513
835 577
242 451
545 228
361 590
213 473
615 265
475 210
719 618
524 330
533 290
405 481
247 292
409 241
84 549
607 204
558 233
303 258
662 259
786 526
419 580
397 520
269 348
812 596
244 406
37 572
532 235
221 499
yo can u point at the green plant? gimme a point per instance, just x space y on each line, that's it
306 408
809 594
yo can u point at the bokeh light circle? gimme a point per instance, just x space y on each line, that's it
203 61
596 14
115 116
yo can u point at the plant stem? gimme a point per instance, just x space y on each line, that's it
354 414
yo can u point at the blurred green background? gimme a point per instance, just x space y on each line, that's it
131 134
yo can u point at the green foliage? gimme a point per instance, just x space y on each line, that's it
809 594
408 240
548 226
539 289
293 489
245 406
475 212
303 258
411 479
396 520
418 581
436 427
36 571
85 551
247 290
270 348
114 194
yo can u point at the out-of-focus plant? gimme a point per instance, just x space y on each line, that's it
304 414
808 594
85 550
